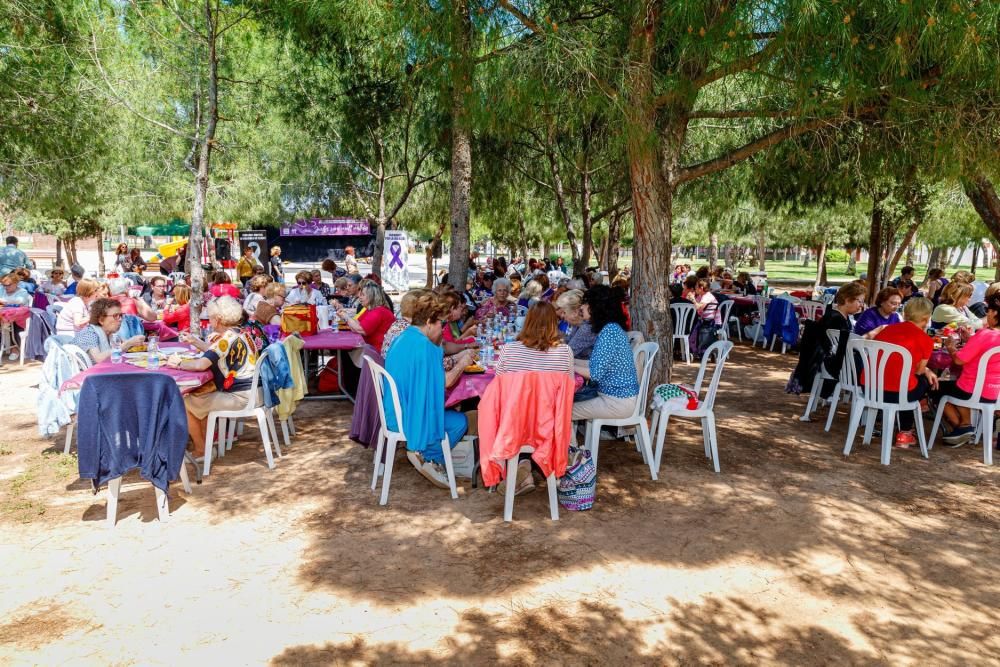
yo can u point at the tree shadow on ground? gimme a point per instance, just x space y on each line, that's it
720 631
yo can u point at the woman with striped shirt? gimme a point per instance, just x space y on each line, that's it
539 346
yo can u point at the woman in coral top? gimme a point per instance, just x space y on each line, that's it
970 358
178 314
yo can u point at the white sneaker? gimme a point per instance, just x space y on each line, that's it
434 472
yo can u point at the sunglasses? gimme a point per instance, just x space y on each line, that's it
302 283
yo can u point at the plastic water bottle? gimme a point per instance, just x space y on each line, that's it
116 348
152 359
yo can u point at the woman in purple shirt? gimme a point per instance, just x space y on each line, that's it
871 322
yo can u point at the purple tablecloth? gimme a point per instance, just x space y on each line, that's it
188 377
331 339
473 385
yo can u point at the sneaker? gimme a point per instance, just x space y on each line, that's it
201 459
434 472
525 480
905 439
959 436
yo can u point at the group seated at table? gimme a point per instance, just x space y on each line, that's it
953 307
105 321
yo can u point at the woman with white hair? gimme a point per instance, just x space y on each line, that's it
230 355
500 304
118 288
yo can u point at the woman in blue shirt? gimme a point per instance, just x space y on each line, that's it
611 365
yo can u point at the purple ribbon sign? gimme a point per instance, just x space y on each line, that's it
396 250
326 227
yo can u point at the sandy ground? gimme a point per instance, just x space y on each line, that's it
792 555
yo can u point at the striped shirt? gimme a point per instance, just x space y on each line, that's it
516 357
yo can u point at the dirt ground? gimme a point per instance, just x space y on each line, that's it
792 555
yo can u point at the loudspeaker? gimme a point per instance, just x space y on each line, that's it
223 250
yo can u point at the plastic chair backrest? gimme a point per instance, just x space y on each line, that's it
721 351
761 302
724 309
635 339
977 390
810 309
683 316
54 308
79 357
643 357
378 375
875 356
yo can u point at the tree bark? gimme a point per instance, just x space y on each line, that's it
761 249
820 266
101 268
461 151
975 257
59 252
984 198
875 248
430 251
613 244
586 215
907 243
713 250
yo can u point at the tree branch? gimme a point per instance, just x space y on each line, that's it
740 113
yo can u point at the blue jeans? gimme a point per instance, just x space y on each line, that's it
455 425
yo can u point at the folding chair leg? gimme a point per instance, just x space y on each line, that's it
209 437
266 438
871 418
834 402
552 482
291 425
987 426
222 431
593 439
937 422
272 429
390 455
921 438
854 420
69 437
114 486
162 504
508 496
643 438
377 461
888 426
231 432
446 450
661 431
713 439
285 432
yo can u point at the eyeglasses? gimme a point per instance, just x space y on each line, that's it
302 283
117 316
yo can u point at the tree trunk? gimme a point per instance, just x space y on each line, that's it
430 251
379 246
560 193
523 236
820 266
194 267
910 254
907 243
713 250
59 252
651 198
761 249
586 217
932 261
975 257
101 269
546 249
875 248
70 244
461 152
852 262
805 256
613 243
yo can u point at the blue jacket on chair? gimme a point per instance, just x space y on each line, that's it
781 321
131 420
275 373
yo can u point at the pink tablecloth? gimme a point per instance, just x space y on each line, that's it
187 377
19 315
473 385
331 339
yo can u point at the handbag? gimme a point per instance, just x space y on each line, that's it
300 319
586 392
578 487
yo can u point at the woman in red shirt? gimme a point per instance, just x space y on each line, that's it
910 334
178 314
374 318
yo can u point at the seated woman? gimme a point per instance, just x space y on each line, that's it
156 297
530 294
178 314
934 284
105 321
56 284
690 284
403 320
705 303
231 357
374 318
815 349
455 332
222 285
303 292
744 284
883 313
319 286
346 292
579 335
118 288
75 314
500 303
611 366
910 334
13 294
539 346
255 293
269 308
415 362
970 358
953 308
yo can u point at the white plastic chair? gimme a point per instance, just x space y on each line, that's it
725 313
760 301
391 439
683 316
82 361
982 412
644 356
219 421
705 410
508 501
833 335
810 309
7 340
162 501
635 339
869 398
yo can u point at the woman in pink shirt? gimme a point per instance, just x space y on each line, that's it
970 358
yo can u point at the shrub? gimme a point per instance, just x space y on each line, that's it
837 255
